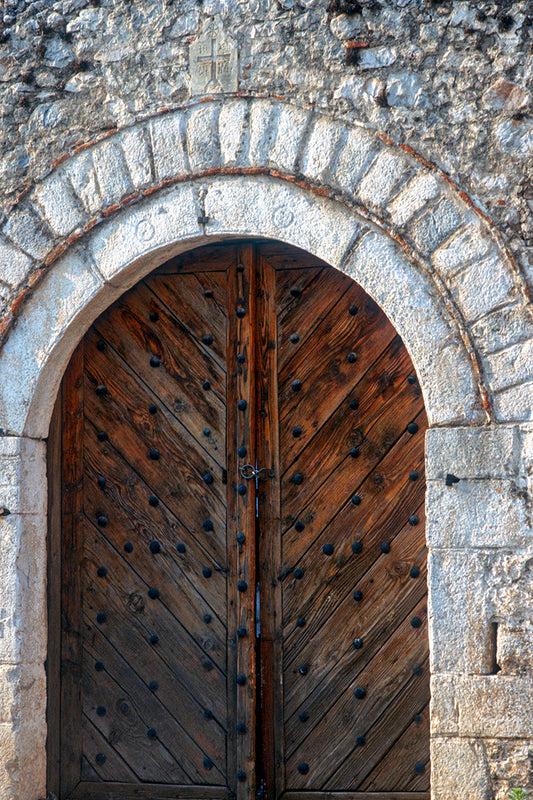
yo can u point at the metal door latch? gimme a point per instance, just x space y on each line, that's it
248 471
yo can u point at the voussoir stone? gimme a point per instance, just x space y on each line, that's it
134 143
111 171
28 231
202 139
291 129
59 205
232 130
168 146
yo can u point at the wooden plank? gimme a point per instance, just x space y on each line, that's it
271 766
314 795
283 257
53 658
211 258
72 538
113 768
241 432
149 791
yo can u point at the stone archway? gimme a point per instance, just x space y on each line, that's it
118 207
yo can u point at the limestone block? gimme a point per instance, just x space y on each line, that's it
472 243
23 475
481 287
514 653
437 224
324 141
291 127
510 765
140 231
419 191
168 145
383 179
55 315
23 692
59 205
411 302
459 769
202 140
23 759
14 264
484 706
133 142
503 327
511 366
231 131
26 230
112 172
472 452
477 513
257 206
263 126
514 404
358 151
82 174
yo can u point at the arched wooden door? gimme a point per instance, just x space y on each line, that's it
237 523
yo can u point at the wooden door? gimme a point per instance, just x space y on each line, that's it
237 527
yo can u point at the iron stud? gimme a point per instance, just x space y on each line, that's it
180 547
241 452
416 622
101 481
206 431
303 670
351 358
101 617
206 664
354 405
296 385
100 758
417 669
207 572
359 692
360 741
355 452
420 768
241 538
353 310
102 436
208 293
358 643
327 549
102 521
100 345
152 409
294 338
298 478
303 769
242 490
128 547
242 586
208 764
207 618
358 595
241 728
357 547
384 547
101 711
303 717
154 454
207 339
154 316
155 361
413 520
241 680
415 572
153 593
208 478
154 546
299 526
300 622
241 632
298 573
295 292
411 379
356 500
417 719
154 502
412 427
154 638
207 525
99 666
296 432
206 386
101 572
240 358
101 390
413 476
451 479
153 686
208 714
151 733
242 405
241 312
241 775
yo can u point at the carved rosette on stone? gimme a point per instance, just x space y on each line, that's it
214 61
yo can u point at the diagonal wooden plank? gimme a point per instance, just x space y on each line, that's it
290 286
109 768
210 258
176 733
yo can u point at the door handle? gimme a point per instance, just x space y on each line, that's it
248 471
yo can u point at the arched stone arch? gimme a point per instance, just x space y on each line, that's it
118 207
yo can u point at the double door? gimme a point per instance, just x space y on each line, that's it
237 557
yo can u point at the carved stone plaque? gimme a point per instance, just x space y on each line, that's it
214 61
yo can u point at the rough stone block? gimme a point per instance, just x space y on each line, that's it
20 747
26 230
477 513
137 154
472 452
14 264
358 151
202 140
263 127
168 146
514 653
459 769
484 706
232 125
481 287
112 172
472 243
503 327
59 205
143 230
82 175
324 141
291 128
410 301
22 475
419 191
514 404
511 366
436 224
510 765
383 179
23 692
257 206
